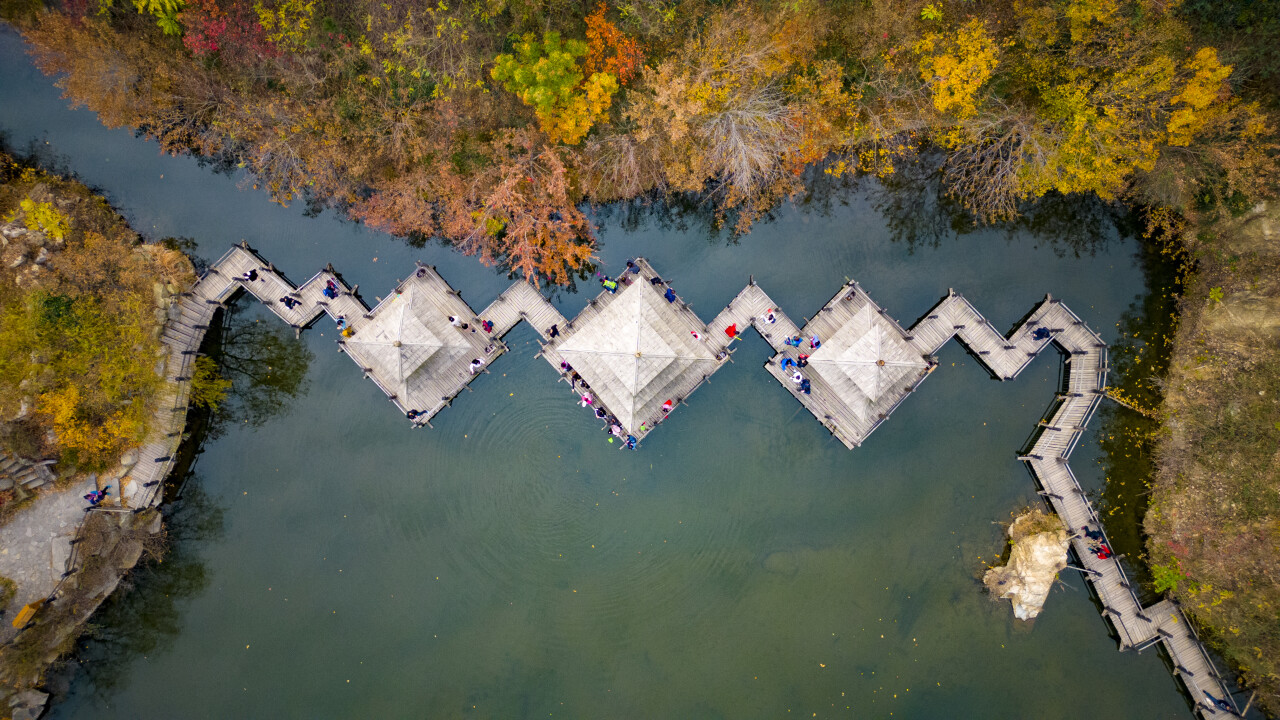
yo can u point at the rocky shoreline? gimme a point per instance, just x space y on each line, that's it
64 559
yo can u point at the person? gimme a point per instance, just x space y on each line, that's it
802 360
488 349
632 267
600 413
1219 702
1104 552
666 406
609 285
96 497
797 378
412 414
330 289
342 322
732 331
655 281
476 365
769 317
630 443
457 322
586 400
553 331
814 342
696 335
670 295
616 429
288 302
488 326
250 276
722 355
1091 533
348 331
787 362
793 341
1041 333
804 386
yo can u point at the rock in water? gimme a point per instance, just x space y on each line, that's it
1039 554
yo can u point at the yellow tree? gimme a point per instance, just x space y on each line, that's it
956 66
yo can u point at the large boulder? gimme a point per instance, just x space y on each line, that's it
1039 553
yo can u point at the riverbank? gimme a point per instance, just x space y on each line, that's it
1214 517
85 394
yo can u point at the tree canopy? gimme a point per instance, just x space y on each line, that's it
488 122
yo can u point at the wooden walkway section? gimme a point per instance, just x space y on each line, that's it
1085 354
637 350
1005 356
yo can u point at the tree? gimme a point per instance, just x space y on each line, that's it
43 217
718 109
233 32
288 24
519 211
956 67
1197 105
164 11
609 50
546 76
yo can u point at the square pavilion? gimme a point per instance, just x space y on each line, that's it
636 350
410 349
865 366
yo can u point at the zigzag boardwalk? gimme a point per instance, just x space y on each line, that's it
1086 358
644 346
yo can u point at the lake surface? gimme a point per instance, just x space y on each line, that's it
332 562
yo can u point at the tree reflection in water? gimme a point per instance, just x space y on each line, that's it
143 616
266 364
267 367
916 209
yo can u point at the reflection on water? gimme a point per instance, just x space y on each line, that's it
266 364
144 617
1139 361
913 203
511 563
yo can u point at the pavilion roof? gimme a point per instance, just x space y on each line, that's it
411 346
866 362
636 351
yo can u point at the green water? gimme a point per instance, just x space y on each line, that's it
331 562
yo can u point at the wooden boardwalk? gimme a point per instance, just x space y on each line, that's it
421 362
1085 353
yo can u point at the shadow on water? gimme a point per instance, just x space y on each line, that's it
915 206
1139 362
266 365
267 369
143 617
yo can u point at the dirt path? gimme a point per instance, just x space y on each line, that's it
34 546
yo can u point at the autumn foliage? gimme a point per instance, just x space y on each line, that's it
609 50
78 331
489 123
546 76
415 117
